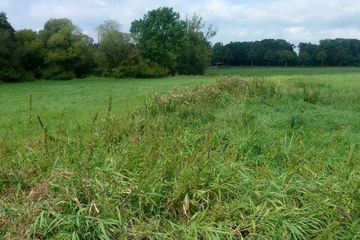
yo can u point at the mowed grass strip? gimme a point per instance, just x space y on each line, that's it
239 158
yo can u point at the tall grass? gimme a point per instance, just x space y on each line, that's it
237 159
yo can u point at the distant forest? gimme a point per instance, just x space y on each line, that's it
271 52
159 44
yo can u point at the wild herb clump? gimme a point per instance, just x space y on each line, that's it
244 88
202 95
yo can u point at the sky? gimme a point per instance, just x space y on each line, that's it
295 21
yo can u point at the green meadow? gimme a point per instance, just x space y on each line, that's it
77 101
240 153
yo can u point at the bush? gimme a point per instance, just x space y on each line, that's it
65 76
15 75
141 70
244 88
50 72
178 98
57 72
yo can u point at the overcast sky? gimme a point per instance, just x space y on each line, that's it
236 20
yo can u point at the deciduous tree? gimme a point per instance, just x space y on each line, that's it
228 55
29 50
118 52
159 36
252 55
286 55
68 50
269 56
9 68
5 25
321 57
304 57
196 48
341 55
217 52
312 50
107 26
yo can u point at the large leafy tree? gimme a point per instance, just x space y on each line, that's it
312 50
107 26
5 26
354 50
68 50
331 48
196 48
304 57
118 52
159 36
286 55
255 52
228 55
240 51
341 55
10 68
252 55
217 53
321 57
29 50
113 46
269 56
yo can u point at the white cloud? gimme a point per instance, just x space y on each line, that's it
101 3
237 20
294 33
340 33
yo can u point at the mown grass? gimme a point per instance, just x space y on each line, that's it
242 158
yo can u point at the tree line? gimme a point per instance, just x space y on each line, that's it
278 52
159 44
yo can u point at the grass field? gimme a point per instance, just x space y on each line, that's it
218 157
76 102
276 71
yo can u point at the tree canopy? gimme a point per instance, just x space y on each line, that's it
260 53
68 50
278 52
160 36
107 26
10 70
159 44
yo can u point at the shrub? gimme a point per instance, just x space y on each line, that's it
140 70
56 72
174 100
245 88
16 75
64 76
51 72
